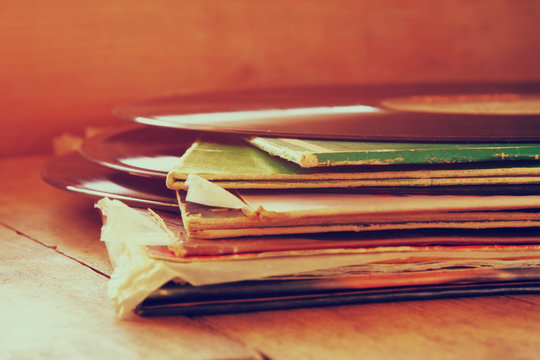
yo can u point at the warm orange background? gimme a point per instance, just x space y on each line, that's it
65 64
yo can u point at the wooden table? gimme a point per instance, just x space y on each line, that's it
53 304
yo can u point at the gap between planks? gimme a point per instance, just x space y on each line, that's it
55 249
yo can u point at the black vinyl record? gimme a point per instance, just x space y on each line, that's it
139 150
74 173
448 112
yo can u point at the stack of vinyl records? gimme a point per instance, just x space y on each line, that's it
284 198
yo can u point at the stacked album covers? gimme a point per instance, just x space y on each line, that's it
276 199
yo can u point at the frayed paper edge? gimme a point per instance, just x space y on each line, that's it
204 192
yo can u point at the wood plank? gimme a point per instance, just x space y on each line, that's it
58 219
55 308
531 299
488 327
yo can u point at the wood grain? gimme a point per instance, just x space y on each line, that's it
57 219
52 307
471 328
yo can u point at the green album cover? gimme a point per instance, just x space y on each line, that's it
317 153
234 163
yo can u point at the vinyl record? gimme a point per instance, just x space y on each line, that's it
450 112
151 152
74 173
139 150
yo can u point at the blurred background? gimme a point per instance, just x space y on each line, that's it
64 65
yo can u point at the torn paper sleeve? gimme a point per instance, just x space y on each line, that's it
136 275
204 192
